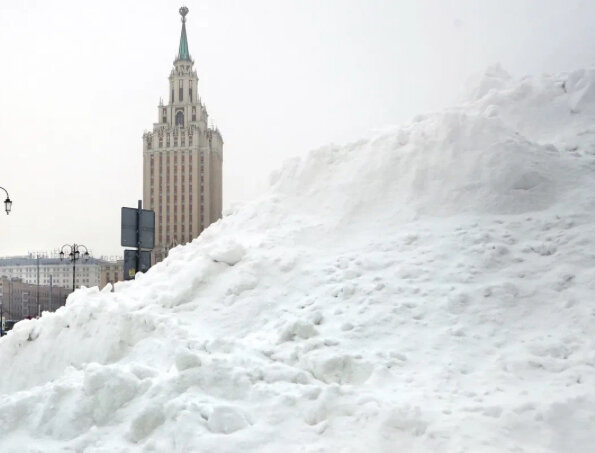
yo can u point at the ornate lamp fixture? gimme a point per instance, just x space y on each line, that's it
7 202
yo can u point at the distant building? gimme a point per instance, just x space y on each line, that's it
111 272
89 273
182 160
20 299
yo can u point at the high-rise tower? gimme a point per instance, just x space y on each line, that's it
182 160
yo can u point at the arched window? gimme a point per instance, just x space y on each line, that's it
180 119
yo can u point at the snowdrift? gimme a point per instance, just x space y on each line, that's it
427 290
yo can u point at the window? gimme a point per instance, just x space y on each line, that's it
193 108
180 119
191 96
181 91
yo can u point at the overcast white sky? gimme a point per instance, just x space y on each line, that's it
80 82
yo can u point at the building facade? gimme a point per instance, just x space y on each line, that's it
21 300
111 272
89 273
25 268
182 160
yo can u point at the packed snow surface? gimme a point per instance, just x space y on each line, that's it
429 290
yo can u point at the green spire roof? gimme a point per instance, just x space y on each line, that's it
183 53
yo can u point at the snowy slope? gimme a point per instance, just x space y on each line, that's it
428 290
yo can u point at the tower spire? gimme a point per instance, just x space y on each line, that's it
183 53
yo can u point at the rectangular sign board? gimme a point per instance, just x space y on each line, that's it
146 229
130 269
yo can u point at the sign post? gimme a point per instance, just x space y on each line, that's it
138 230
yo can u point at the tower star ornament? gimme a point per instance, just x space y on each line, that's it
183 11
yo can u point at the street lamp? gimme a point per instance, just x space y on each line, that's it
7 202
74 255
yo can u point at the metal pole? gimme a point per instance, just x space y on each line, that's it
51 291
9 296
138 211
73 267
37 289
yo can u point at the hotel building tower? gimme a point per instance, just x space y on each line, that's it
182 160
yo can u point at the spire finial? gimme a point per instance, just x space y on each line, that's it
183 53
183 11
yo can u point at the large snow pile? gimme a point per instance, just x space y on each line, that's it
430 290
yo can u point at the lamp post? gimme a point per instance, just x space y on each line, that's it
7 202
74 255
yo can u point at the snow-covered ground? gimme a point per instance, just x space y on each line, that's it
430 290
